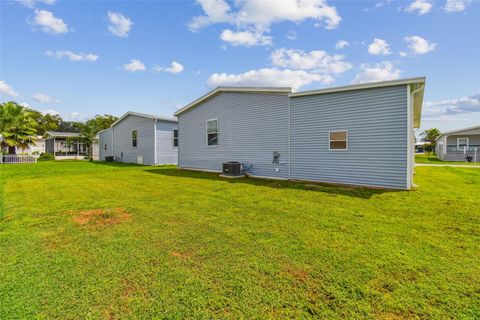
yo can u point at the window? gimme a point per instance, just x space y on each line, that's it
462 143
175 137
134 138
338 140
212 132
105 146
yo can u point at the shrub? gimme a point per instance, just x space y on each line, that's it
46 157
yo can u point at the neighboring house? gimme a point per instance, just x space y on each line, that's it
420 146
37 147
140 138
358 135
456 145
65 145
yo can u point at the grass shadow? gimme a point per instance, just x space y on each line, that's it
351 191
118 164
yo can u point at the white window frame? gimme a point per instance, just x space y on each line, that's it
206 132
131 139
458 143
329 141
175 146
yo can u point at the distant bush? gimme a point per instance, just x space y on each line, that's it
429 148
46 157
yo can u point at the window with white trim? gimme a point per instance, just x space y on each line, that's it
105 146
212 132
134 138
338 140
462 143
175 137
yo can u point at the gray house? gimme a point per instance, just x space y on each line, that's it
458 144
357 135
140 138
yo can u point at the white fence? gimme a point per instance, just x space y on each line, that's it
14 158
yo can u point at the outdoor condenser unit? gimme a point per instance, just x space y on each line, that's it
232 168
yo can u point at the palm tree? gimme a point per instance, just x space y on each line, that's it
88 133
17 127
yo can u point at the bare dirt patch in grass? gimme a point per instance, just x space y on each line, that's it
181 255
101 217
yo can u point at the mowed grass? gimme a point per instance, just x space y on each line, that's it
83 240
432 159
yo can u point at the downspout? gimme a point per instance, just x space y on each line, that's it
155 141
412 143
289 137
113 144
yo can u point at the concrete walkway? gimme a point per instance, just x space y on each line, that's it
446 165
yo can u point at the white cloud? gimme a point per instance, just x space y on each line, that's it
420 6
175 67
7 90
341 44
245 38
269 77
43 98
134 66
119 24
49 23
317 61
90 57
445 109
379 47
261 14
51 112
291 35
456 5
32 3
378 5
216 11
418 45
379 72
403 54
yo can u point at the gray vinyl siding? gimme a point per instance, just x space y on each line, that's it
166 152
122 133
251 127
105 139
376 120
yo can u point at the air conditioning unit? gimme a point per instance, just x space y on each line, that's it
232 168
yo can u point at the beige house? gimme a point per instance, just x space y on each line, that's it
458 144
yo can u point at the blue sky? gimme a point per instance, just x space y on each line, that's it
81 58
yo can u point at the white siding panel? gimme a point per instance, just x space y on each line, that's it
166 152
105 139
122 133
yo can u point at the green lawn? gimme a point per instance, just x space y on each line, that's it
83 240
432 159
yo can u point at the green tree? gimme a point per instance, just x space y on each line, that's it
17 126
90 129
104 121
46 122
430 136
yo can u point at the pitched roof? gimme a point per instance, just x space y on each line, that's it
463 131
58 134
284 90
143 115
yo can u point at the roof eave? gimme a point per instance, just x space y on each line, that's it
361 86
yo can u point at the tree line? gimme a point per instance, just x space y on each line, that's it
19 126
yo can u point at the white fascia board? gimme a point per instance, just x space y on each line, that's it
360 86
